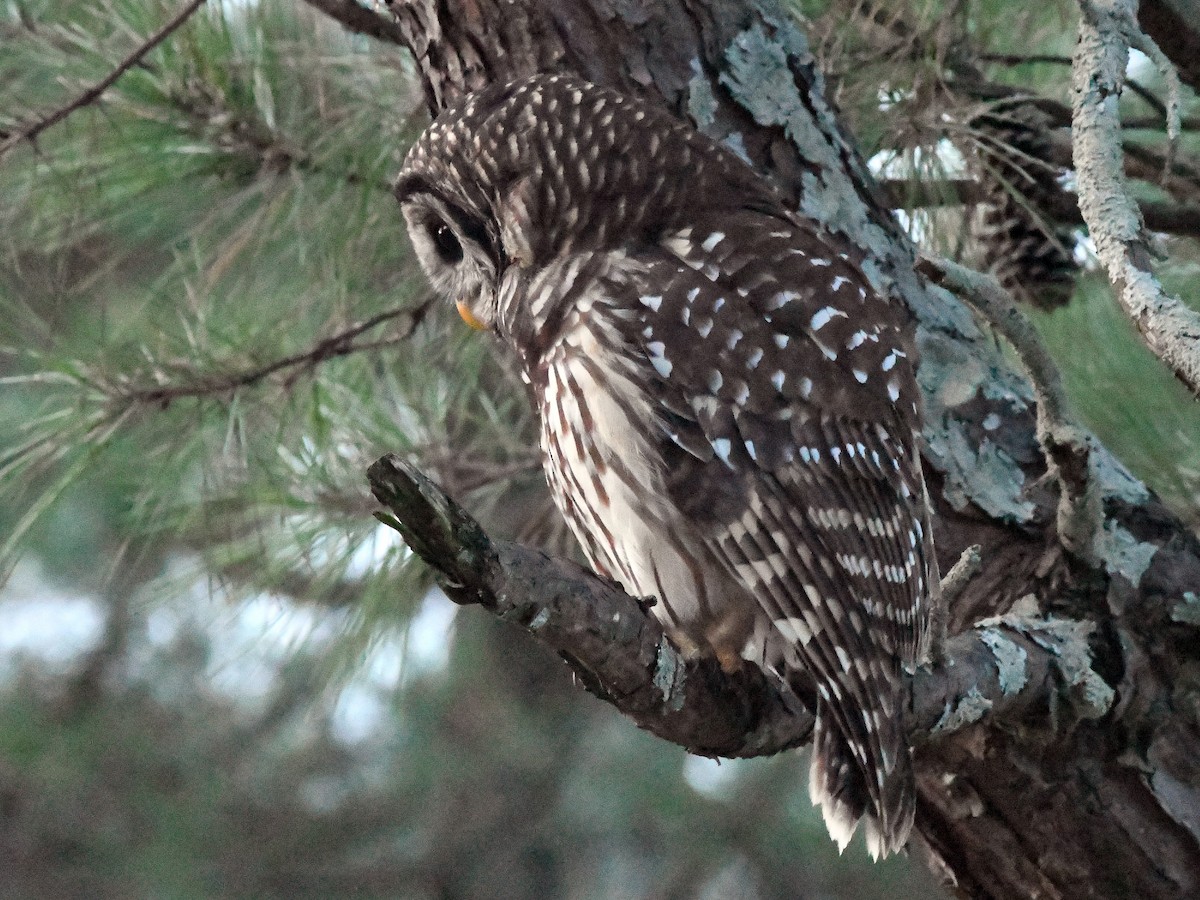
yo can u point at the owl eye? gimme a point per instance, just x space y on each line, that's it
446 243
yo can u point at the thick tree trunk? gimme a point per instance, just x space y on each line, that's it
1054 805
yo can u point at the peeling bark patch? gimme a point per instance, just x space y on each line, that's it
1117 481
760 80
667 676
950 376
701 102
1178 799
1010 660
1187 610
1123 554
736 144
983 475
971 708
1090 695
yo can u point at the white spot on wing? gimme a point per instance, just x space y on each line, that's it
821 317
661 364
826 351
712 240
652 302
722 447
794 629
890 360
842 658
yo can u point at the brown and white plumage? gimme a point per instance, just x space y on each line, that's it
728 409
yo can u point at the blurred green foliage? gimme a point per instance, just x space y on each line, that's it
164 253
1135 406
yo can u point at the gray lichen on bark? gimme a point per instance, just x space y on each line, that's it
1010 659
967 711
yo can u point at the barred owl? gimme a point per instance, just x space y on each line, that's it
728 409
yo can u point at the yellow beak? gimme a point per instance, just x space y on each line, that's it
469 318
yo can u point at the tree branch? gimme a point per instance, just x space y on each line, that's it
1170 329
30 132
1067 446
1008 666
361 20
1172 25
616 648
918 193
340 344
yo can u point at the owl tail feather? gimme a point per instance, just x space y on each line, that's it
837 783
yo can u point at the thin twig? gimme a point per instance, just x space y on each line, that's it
30 132
960 574
1066 445
337 345
1163 109
1170 329
1171 109
361 20
1156 123
950 589
241 133
1021 59
919 193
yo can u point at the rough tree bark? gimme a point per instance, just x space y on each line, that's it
1089 786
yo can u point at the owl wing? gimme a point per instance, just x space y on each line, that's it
788 414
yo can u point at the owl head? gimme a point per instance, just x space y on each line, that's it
464 191
455 243
524 174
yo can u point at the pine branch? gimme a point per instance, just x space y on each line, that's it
208 116
31 131
332 347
